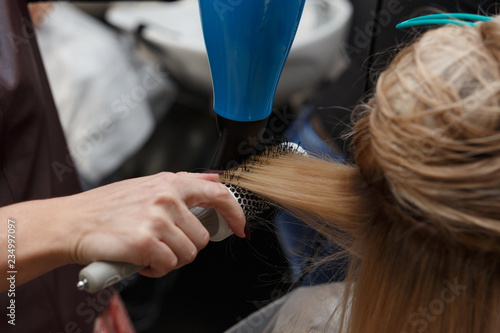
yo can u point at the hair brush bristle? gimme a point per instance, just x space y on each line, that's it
255 206
271 151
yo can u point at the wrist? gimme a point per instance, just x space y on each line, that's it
42 234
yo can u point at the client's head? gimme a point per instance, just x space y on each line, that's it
420 210
429 141
428 146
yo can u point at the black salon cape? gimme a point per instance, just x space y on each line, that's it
35 164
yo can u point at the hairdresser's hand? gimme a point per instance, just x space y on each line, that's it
146 221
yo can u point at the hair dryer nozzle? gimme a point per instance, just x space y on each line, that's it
238 141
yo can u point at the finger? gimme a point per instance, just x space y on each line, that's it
209 176
194 191
215 195
166 176
160 261
185 236
191 227
181 245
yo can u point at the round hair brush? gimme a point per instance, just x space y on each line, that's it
102 274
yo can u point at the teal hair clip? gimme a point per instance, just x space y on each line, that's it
442 19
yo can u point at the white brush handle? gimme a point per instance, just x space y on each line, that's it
101 274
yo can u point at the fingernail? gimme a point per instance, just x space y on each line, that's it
248 234
218 172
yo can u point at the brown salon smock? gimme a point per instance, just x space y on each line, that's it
35 164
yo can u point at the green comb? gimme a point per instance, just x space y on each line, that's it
442 19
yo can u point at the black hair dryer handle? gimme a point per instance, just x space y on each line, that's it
238 141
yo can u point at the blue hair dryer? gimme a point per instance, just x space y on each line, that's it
247 42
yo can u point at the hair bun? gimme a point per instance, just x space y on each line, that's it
431 141
490 32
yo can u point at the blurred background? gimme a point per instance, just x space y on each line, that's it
132 85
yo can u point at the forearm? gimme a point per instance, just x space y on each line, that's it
32 241
144 221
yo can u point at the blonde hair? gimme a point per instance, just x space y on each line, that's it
419 213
